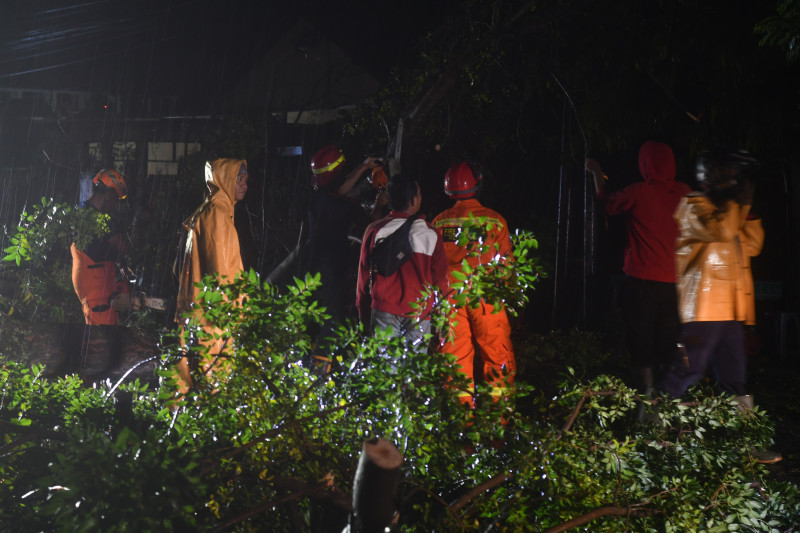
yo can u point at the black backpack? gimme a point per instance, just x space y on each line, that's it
392 251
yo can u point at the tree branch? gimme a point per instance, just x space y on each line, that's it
598 513
578 407
438 499
446 81
302 492
489 484
28 434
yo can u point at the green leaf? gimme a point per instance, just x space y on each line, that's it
459 275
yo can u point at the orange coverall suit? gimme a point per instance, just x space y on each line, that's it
487 326
94 278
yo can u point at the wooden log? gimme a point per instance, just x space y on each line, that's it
376 480
95 353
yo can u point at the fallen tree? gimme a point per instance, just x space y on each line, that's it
276 446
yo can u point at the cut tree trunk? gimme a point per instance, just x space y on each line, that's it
95 353
376 480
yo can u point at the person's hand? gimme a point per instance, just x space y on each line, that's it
121 302
593 167
371 162
381 200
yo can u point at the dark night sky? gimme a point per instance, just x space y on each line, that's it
176 46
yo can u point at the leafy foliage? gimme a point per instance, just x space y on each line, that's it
782 29
51 227
41 284
493 276
273 441
79 458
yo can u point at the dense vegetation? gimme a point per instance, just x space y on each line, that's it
273 446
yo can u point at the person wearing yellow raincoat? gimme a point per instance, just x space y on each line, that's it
212 247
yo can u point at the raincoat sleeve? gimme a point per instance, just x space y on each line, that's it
220 245
751 237
217 243
707 223
439 264
363 296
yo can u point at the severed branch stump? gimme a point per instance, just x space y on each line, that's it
376 480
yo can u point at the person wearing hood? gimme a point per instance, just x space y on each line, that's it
717 236
212 245
649 297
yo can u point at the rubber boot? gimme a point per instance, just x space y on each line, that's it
642 378
746 404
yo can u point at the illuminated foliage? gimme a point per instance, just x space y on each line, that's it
40 252
273 443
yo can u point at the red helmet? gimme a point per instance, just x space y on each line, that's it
463 180
111 179
326 165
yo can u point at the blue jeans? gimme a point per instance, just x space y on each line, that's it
402 326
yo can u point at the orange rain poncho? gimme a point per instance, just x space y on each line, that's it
713 254
212 243
212 246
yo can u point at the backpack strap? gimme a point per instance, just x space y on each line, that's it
372 270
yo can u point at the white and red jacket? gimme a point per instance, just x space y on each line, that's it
393 294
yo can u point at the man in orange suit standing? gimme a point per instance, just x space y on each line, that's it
484 324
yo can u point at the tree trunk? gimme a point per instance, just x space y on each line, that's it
374 486
95 353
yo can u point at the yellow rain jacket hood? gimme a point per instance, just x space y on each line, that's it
212 243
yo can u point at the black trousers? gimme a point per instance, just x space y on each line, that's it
650 312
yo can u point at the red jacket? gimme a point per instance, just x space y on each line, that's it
650 204
427 266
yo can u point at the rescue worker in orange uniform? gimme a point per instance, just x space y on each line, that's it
212 247
486 326
94 270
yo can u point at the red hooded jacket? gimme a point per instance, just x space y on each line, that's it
652 232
